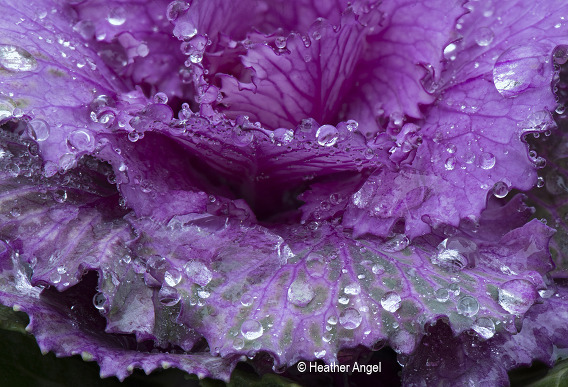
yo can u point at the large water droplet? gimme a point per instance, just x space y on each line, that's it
391 302
468 306
300 293
517 296
252 329
168 296
327 135
518 69
198 273
455 253
485 327
15 58
350 318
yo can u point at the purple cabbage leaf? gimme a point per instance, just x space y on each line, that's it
184 184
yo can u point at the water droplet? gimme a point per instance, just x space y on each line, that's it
539 121
391 302
283 136
397 243
451 148
247 299
450 163
156 262
350 318
500 189
13 169
172 277
81 140
455 253
252 329
238 343
429 83
60 195
38 129
442 295
483 36
450 51
517 296
197 272
468 306
15 58
320 354
133 136
315 265
518 69
403 342
332 320
203 294
55 277
280 42
300 293
327 135
377 269
343 300
99 300
560 55
351 125
67 161
175 8
455 289
161 98
353 289
485 327
168 296
117 16
487 160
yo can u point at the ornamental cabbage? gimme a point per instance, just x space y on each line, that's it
183 184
